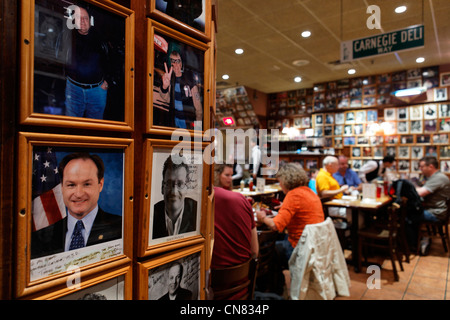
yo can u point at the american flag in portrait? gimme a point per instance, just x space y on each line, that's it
48 204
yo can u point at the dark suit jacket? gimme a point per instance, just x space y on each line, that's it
182 294
188 223
51 240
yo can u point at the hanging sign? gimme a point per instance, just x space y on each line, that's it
409 38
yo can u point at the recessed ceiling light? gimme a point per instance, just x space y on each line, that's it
239 51
306 34
300 63
420 59
351 71
298 79
225 77
400 9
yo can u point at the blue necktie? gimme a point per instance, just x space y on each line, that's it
77 236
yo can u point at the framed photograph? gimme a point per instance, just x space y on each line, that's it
415 166
358 129
339 118
445 166
402 114
407 139
403 152
188 16
174 276
403 165
444 79
338 143
174 195
177 68
431 151
444 110
372 115
356 164
403 127
350 117
378 152
348 131
391 139
114 284
318 119
416 113
416 126
56 72
440 94
430 111
441 138
444 125
360 116
356 152
430 125
444 152
390 114
391 151
423 139
349 141
56 230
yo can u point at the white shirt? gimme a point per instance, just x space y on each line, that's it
174 228
238 172
88 221
369 167
256 159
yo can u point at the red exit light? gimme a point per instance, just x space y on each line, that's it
228 121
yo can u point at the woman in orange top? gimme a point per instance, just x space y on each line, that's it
300 207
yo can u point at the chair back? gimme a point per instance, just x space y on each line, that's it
229 282
266 239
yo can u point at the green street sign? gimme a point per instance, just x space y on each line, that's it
409 38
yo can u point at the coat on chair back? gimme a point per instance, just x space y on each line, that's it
317 265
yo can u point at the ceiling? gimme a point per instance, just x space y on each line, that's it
269 32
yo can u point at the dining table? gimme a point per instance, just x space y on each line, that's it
356 205
268 189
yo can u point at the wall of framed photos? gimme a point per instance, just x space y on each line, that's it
136 55
361 119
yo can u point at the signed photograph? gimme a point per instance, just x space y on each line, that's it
175 206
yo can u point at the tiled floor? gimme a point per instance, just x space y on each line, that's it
423 278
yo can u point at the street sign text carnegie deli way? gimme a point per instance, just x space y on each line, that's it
409 38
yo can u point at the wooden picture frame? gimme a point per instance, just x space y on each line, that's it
155 236
182 20
193 57
153 275
50 83
45 202
112 284
444 79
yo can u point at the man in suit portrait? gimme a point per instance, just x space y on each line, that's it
86 223
176 292
176 213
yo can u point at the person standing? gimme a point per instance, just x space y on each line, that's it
374 169
86 67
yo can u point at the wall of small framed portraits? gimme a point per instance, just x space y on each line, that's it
112 197
360 118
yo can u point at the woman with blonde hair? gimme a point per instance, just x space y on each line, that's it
300 207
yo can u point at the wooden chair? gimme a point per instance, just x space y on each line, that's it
229 282
441 226
267 276
384 236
